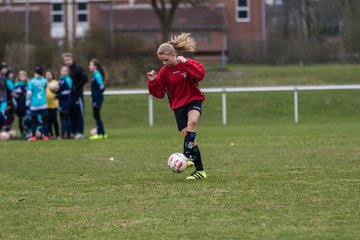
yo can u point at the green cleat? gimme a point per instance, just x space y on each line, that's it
96 137
197 175
190 163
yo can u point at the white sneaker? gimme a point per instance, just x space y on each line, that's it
79 136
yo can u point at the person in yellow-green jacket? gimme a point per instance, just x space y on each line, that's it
52 106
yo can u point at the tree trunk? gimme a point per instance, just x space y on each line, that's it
287 30
165 30
165 15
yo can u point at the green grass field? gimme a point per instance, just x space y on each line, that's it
267 177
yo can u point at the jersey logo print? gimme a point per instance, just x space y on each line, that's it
40 94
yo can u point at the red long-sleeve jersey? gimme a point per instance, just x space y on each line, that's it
180 82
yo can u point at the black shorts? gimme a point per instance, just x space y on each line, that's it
181 113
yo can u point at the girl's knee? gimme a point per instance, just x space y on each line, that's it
192 123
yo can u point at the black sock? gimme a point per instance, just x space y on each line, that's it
192 152
196 156
189 140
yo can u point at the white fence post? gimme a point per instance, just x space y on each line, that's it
224 112
296 108
151 111
296 90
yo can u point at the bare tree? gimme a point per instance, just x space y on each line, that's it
166 9
303 30
350 10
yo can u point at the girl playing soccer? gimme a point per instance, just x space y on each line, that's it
64 96
179 78
36 101
52 105
20 90
10 100
97 96
3 103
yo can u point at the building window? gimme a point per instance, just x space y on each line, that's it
82 12
242 10
57 13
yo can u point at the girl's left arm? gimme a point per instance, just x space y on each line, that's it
195 69
100 81
10 85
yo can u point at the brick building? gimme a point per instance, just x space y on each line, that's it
232 27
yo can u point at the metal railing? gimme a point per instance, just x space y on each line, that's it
226 90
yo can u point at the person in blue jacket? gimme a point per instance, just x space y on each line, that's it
97 96
79 78
65 101
11 103
19 94
36 101
9 84
3 102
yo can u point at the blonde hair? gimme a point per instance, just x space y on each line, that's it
182 43
22 72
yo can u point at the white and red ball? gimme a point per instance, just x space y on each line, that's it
54 86
4 136
177 162
93 131
38 134
12 134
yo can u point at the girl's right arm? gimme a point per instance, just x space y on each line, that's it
28 94
156 83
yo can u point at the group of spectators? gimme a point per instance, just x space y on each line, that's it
38 101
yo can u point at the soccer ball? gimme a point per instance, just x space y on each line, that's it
177 162
4 136
38 134
54 86
93 131
12 134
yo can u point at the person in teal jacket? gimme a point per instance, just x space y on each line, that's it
65 101
97 96
36 100
3 103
